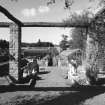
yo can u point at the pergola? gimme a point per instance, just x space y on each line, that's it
15 38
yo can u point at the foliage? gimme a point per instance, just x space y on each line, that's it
64 42
91 73
4 58
4 70
83 18
67 3
95 47
4 49
97 29
95 43
79 34
78 38
101 2
4 44
41 52
96 40
38 44
53 51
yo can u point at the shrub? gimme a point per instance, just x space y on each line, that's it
91 73
4 58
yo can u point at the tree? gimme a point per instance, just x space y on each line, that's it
68 3
79 34
64 42
38 44
78 38
4 44
100 3
53 51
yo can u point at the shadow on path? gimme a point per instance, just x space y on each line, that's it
75 95
14 88
43 72
75 98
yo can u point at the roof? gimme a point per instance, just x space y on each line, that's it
69 52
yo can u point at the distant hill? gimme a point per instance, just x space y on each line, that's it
5 44
38 49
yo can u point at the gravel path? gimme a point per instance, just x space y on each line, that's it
54 78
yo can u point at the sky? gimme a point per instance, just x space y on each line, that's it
38 11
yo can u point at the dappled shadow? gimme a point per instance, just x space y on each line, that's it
74 95
42 68
39 78
43 72
26 87
100 81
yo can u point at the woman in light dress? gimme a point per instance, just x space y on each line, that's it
72 70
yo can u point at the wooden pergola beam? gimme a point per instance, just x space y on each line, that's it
45 24
51 24
10 16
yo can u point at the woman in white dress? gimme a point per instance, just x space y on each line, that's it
72 70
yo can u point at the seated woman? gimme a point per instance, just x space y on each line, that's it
23 66
33 70
33 67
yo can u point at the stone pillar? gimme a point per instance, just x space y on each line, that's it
15 51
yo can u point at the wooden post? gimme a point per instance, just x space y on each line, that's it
15 51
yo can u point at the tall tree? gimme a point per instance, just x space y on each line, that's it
79 34
64 42
78 38
4 44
